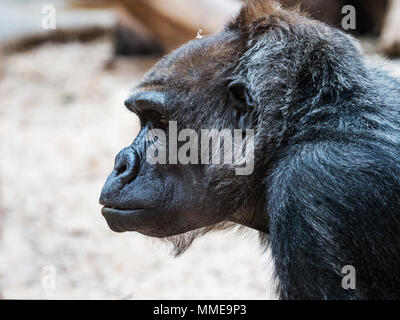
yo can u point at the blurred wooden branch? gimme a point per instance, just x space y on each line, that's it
141 27
172 22
82 34
390 36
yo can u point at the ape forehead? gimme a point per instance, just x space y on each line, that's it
197 60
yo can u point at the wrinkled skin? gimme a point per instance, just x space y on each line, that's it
326 181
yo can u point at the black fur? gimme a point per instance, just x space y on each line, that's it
333 187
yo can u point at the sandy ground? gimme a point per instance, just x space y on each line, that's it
62 121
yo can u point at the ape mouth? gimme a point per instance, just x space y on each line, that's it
121 220
107 209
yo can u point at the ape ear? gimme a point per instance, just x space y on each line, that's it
239 94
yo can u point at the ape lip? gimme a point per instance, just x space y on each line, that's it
116 218
107 209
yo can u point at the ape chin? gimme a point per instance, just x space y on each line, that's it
325 189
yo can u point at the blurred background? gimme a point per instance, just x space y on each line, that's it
65 69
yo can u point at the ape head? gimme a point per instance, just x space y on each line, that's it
266 71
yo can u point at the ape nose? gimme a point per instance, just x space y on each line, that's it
126 165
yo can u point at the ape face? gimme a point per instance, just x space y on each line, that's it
196 87
262 72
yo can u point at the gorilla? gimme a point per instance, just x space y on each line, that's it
325 190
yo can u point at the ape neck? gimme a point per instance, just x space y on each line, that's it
257 222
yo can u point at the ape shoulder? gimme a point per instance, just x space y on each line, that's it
333 204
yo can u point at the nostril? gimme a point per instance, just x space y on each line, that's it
126 165
121 168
